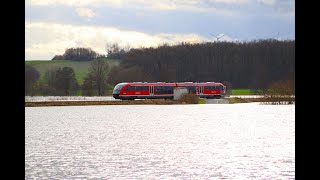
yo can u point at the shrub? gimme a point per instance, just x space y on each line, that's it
189 99
280 92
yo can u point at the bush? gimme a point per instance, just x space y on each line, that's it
189 99
280 92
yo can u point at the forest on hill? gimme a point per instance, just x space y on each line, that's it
253 65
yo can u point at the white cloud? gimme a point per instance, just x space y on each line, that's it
230 1
207 6
284 7
140 14
134 2
154 4
76 3
44 40
164 6
267 2
85 12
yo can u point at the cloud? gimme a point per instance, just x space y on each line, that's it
267 2
85 12
54 25
121 3
163 6
285 7
68 2
188 5
222 7
231 1
150 4
44 40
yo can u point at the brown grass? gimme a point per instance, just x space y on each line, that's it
189 99
265 100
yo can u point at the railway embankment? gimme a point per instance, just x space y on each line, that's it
85 103
188 100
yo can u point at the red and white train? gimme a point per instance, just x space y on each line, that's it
162 90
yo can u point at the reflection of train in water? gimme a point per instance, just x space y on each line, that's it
162 90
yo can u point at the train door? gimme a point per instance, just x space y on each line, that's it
151 91
201 90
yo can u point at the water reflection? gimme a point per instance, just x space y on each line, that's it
246 141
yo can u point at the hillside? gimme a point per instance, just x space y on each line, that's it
80 67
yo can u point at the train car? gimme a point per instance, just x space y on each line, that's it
163 90
143 90
205 89
211 90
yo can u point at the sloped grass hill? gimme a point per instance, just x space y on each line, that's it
80 67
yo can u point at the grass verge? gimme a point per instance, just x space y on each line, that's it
265 100
202 101
245 91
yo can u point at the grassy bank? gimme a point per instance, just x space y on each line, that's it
263 100
244 92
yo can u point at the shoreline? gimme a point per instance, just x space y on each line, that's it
86 103
154 102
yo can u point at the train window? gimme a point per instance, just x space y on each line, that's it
130 88
209 87
213 87
117 88
191 89
164 89
170 89
142 88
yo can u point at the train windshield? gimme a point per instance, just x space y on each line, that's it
118 87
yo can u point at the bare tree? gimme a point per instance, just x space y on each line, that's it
66 82
98 76
115 52
87 86
31 76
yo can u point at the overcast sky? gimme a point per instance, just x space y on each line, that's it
51 26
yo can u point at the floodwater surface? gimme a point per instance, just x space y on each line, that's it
207 141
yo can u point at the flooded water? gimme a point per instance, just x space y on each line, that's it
207 141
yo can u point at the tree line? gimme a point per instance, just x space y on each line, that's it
87 54
254 64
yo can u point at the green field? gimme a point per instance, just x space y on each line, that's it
80 67
243 92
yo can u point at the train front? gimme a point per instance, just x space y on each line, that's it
117 89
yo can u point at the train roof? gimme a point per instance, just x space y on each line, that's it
201 83
151 83
173 83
